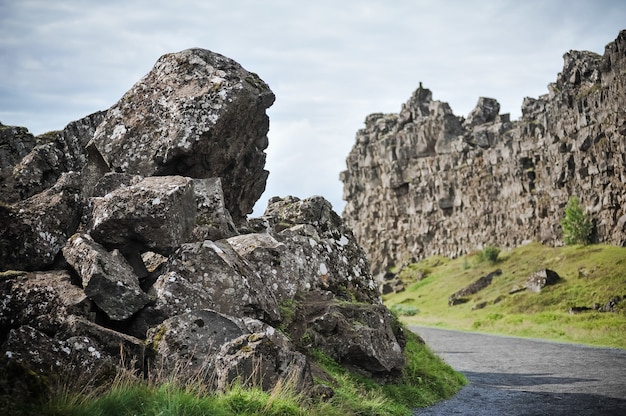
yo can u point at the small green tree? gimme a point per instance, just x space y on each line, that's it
576 226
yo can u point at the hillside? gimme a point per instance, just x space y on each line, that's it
589 275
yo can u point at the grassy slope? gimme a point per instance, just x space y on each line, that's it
589 274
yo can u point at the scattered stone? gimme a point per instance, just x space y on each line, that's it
473 288
540 279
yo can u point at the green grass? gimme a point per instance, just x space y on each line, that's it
425 380
590 275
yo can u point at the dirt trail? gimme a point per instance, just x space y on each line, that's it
516 376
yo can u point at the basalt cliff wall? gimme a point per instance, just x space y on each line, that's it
427 182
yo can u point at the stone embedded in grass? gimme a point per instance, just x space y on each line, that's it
540 279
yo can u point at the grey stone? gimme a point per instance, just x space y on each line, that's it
196 114
107 278
156 214
540 279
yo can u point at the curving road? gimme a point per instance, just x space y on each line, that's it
518 376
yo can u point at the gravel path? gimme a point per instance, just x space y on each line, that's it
517 376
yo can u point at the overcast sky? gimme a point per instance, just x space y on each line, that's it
329 62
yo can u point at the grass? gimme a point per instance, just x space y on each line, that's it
591 274
425 380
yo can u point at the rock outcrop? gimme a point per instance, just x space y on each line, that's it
133 247
426 182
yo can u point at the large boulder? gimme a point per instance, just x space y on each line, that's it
188 342
196 114
155 214
212 275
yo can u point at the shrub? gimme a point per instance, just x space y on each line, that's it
576 226
489 253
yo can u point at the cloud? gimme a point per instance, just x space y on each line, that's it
329 63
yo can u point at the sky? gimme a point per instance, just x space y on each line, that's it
330 63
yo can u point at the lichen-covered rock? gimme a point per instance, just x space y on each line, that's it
56 153
196 114
212 275
256 360
156 214
34 230
42 300
359 334
107 278
424 182
188 342
213 221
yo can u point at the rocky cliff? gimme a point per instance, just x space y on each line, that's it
124 239
425 181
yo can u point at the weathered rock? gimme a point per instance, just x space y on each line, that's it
196 114
187 343
315 250
255 360
35 230
111 342
357 334
59 152
473 287
15 144
541 279
39 360
42 300
155 214
212 275
213 221
107 278
422 183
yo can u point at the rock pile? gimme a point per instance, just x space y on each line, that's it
424 181
125 238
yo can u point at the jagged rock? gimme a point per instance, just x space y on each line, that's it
36 361
60 152
212 275
256 360
486 111
187 343
371 345
107 278
473 287
541 279
42 300
107 340
35 230
156 214
111 181
196 114
422 183
314 248
15 144
213 221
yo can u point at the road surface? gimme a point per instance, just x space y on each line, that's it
516 376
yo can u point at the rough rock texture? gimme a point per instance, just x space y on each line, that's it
107 278
196 114
34 230
155 214
426 182
141 255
